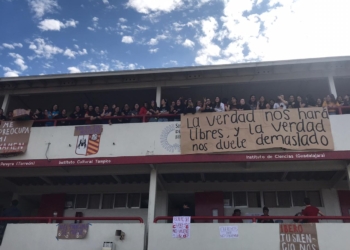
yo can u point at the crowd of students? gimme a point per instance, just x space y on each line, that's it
89 114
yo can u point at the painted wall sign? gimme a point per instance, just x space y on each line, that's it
72 231
296 129
298 236
14 136
88 141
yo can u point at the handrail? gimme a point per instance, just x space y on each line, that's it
255 218
51 219
341 108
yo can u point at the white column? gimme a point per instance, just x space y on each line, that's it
6 103
348 172
331 85
158 95
152 196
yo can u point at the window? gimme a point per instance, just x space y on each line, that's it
270 199
284 199
254 199
94 201
144 200
227 199
240 199
298 198
120 200
315 198
134 200
70 200
107 201
81 201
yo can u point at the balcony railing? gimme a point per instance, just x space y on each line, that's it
255 218
52 219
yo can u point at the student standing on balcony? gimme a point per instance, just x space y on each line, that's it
163 110
265 214
189 109
106 113
318 102
96 118
85 109
198 107
346 100
300 102
135 112
292 103
207 107
331 104
234 105
153 110
62 115
261 103
76 115
178 110
2 117
309 101
236 213
280 103
218 105
252 102
89 114
52 114
310 211
242 105
340 100
126 112
116 112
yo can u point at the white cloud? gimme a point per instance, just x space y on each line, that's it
148 6
41 7
19 61
122 20
12 46
143 28
188 43
76 46
73 70
56 25
105 1
154 41
152 51
10 73
44 49
95 19
127 39
90 28
82 52
69 53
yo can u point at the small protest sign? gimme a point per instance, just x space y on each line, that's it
181 227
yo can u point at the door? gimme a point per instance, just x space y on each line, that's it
344 201
51 203
209 204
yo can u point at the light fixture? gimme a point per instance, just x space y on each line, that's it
120 234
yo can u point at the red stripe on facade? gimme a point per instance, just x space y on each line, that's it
164 159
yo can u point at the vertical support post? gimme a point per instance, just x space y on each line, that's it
348 173
152 195
331 85
6 103
158 95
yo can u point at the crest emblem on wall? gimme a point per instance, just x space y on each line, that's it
88 139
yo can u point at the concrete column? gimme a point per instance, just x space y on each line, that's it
152 195
348 173
331 85
6 103
158 95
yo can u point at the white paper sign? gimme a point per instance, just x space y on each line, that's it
229 232
181 227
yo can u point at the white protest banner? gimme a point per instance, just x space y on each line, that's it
181 227
229 232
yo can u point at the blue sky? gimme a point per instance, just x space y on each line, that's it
72 36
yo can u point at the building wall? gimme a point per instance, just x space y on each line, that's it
252 236
156 138
43 237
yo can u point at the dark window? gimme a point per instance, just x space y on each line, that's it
315 198
239 199
94 201
134 200
254 199
81 201
228 199
270 199
70 200
120 200
144 200
298 198
284 199
107 201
